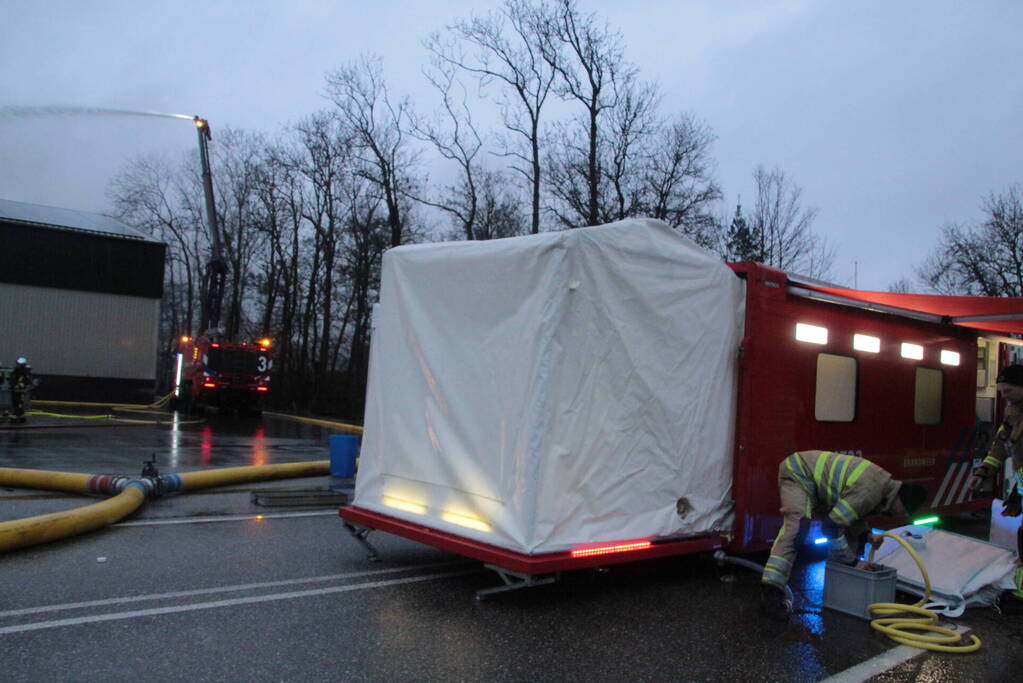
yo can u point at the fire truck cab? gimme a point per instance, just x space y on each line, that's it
210 372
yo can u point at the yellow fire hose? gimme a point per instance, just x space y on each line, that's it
901 629
159 403
130 494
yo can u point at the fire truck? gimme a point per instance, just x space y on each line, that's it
614 395
212 369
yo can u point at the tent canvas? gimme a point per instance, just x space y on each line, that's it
539 393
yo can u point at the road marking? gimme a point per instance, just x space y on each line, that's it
58 623
227 518
877 665
221 589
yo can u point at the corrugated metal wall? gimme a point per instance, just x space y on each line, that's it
84 334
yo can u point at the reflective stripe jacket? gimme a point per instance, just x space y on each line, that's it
847 487
844 487
20 379
1005 445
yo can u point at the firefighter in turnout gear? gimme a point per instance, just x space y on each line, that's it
848 489
1007 445
20 382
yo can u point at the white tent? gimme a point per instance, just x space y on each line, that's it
538 393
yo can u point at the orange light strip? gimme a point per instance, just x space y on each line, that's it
607 549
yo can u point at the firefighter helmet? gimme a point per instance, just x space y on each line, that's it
22 361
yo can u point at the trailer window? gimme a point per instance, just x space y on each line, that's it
835 399
927 410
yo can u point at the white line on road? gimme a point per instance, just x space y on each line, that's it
877 665
220 589
58 623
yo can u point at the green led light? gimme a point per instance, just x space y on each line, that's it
925 520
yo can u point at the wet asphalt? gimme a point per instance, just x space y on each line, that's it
260 582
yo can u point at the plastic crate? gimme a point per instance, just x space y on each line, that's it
850 590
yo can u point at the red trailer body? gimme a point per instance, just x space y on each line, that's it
819 370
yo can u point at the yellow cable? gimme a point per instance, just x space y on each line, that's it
163 400
74 417
900 629
340 426
114 418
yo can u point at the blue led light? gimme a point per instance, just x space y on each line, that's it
820 541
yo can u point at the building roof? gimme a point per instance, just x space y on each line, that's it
67 219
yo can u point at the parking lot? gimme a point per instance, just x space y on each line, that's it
261 582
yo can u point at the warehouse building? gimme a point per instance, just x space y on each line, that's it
80 298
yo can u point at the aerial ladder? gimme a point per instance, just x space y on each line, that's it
213 368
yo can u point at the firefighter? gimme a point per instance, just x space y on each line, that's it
850 490
1007 445
20 382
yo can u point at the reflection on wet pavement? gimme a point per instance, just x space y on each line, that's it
177 445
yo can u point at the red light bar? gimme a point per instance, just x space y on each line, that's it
262 388
210 385
611 548
216 346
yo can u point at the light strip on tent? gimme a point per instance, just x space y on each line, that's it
610 548
926 520
466 521
913 351
811 333
406 505
864 342
949 357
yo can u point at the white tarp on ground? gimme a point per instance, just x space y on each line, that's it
963 571
541 392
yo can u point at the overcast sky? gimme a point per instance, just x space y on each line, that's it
894 117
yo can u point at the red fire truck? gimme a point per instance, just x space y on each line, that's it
224 374
905 380
212 369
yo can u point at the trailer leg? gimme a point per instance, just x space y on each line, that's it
515 581
359 533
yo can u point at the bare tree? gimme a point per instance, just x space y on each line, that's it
236 160
782 226
458 141
626 145
379 127
589 59
679 184
900 286
505 50
150 194
986 259
498 212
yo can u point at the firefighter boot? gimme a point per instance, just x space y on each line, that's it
773 604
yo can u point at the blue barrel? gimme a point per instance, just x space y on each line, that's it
344 449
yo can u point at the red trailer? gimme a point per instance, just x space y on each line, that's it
905 380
